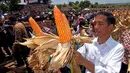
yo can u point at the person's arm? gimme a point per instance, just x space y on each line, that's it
80 60
89 65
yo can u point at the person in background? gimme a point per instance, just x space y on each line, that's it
125 41
104 54
20 52
4 37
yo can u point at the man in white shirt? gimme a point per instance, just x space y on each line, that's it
104 54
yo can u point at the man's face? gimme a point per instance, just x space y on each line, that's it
101 27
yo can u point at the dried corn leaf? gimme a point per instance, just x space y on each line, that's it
61 57
30 44
42 39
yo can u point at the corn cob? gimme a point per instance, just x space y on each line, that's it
37 30
62 26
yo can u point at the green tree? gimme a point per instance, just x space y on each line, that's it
75 5
64 5
77 2
12 4
84 4
70 3
4 8
59 6
96 3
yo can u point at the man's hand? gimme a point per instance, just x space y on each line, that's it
80 60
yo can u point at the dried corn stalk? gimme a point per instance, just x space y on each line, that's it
61 57
42 48
128 70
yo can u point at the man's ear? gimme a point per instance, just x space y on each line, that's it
111 27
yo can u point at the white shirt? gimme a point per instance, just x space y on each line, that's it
106 57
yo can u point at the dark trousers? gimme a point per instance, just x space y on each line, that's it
4 69
21 53
65 70
124 68
2 55
6 48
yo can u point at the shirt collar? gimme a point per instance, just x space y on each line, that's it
109 42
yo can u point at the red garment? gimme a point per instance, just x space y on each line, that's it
80 19
125 40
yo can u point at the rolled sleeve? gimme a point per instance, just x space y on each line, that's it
83 50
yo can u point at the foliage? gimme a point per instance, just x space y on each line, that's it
75 5
12 4
96 5
65 5
84 4
80 5
4 8
77 2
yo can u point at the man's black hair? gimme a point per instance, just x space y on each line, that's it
12 19
110 18
82 23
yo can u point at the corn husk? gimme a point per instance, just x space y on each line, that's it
38 40
42 48
44 51
128 70
61 57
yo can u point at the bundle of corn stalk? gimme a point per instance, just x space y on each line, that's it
42 47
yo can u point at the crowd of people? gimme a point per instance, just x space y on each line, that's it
104 55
